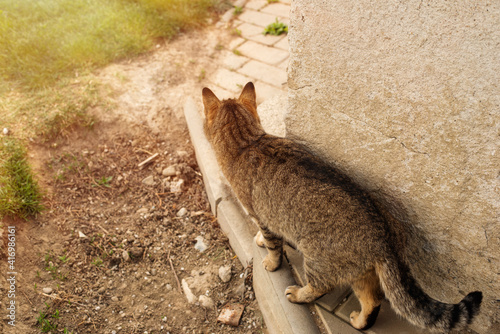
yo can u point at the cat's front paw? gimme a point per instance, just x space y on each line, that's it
292 294
271 263
259 239
302 295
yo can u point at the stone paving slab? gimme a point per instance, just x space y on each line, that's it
222 93
255 33
265 54
256 4
257 18
266 73
265 91
277 9
235 43
283 44
231 81
232 61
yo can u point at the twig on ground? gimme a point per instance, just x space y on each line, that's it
102 228
55 297
159 198
27 298
176 278
148 160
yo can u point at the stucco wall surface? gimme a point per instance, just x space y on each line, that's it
404 97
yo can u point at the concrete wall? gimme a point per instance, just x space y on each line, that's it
404 97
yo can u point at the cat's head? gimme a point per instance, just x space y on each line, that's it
214 107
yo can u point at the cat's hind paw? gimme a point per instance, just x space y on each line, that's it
259 239
357 321
363 322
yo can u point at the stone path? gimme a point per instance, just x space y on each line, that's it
253 56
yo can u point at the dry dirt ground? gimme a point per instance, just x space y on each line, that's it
116 241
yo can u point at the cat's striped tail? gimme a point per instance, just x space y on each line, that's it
409 301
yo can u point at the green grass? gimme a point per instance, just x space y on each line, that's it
19 191
48 50
42 41
49 111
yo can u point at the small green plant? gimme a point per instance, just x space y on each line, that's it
236 32
271 1
64 258
45 324
48 257
19 192
103 181
237 52
238 10
97 262
64 165
62 277
52 269
202 75
276 28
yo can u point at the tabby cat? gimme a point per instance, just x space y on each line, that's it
297 197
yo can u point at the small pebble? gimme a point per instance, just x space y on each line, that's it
142 210
125 256
182 212
176 186
225 273
200 244
187 292
149 181
206 302
136 252
47 290
169 171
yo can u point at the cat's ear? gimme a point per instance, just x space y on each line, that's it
211 103
248 97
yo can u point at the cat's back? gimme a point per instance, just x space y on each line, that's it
297 193
285 169
279 160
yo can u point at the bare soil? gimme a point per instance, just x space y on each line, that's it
116 241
